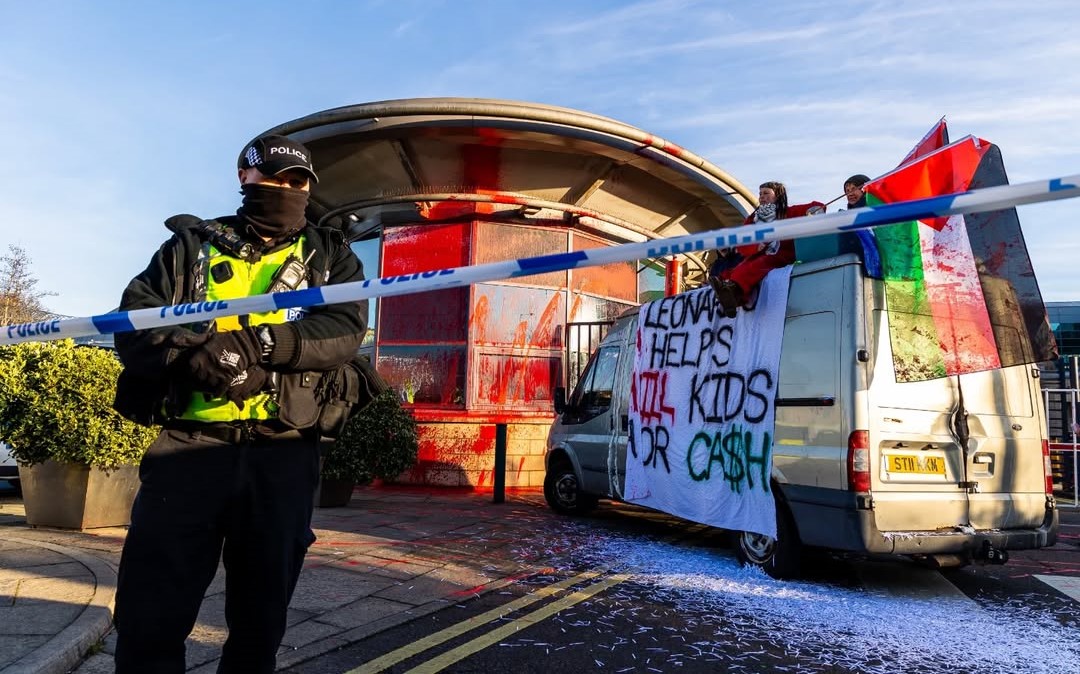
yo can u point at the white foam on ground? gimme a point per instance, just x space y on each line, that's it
864 630
764 624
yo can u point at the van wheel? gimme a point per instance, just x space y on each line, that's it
779 557
563 492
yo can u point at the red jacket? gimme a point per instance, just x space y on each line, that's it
761 258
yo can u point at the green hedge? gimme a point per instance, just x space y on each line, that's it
378 442
56 403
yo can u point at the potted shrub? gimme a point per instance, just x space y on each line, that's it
380 442
77 457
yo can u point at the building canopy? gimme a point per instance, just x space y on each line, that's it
394 162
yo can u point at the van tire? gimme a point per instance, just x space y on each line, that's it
562 491
779 557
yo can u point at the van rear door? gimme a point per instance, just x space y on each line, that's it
924 480
916 459
1005 463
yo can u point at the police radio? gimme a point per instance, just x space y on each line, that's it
290 274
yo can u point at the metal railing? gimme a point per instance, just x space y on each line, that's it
1063 455
581 340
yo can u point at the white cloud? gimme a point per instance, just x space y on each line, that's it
628 16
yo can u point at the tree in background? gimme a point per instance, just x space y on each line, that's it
20 301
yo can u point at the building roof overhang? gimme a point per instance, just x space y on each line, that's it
382 163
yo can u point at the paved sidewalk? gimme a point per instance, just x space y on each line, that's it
389 557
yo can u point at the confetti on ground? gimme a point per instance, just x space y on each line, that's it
753 620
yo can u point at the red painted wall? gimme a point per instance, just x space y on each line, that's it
466 358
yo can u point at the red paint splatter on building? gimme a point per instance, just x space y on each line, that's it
479 319
481 169
513 378
450 383
521 335
575 307
411 249
663 145
545 336
437 443
510 368
502 346
674 149
485 440
437 211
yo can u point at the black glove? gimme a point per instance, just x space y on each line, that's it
245 385
178 338
179 343
213 366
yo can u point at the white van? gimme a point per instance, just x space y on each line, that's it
9 470
861 463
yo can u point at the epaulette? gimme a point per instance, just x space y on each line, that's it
183 221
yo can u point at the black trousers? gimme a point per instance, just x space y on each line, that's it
202 499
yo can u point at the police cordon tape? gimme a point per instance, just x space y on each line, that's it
976 201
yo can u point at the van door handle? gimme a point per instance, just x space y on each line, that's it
983 457
624 420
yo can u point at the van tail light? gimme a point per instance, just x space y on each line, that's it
1048 469
858 461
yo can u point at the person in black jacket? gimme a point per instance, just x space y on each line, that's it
853 190
232 475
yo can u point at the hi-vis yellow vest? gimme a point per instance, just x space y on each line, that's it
248 278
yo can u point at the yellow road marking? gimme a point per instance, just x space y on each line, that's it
433 640
496 635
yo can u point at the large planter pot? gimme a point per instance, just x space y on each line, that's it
333 493
74 496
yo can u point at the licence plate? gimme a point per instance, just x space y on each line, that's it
920 465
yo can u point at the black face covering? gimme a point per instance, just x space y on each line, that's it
273 212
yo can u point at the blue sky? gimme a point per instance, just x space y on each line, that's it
120 114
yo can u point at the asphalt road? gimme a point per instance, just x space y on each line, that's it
638 592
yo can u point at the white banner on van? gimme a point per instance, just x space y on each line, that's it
702 408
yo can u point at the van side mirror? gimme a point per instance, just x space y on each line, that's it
560 399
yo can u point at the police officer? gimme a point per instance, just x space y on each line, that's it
232 475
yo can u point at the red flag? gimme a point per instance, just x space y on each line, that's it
951 311
936 137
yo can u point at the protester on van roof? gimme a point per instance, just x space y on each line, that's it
853 190
734 278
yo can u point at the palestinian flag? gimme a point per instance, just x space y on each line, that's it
960 290
936 137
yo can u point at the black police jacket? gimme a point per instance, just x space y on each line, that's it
324 339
